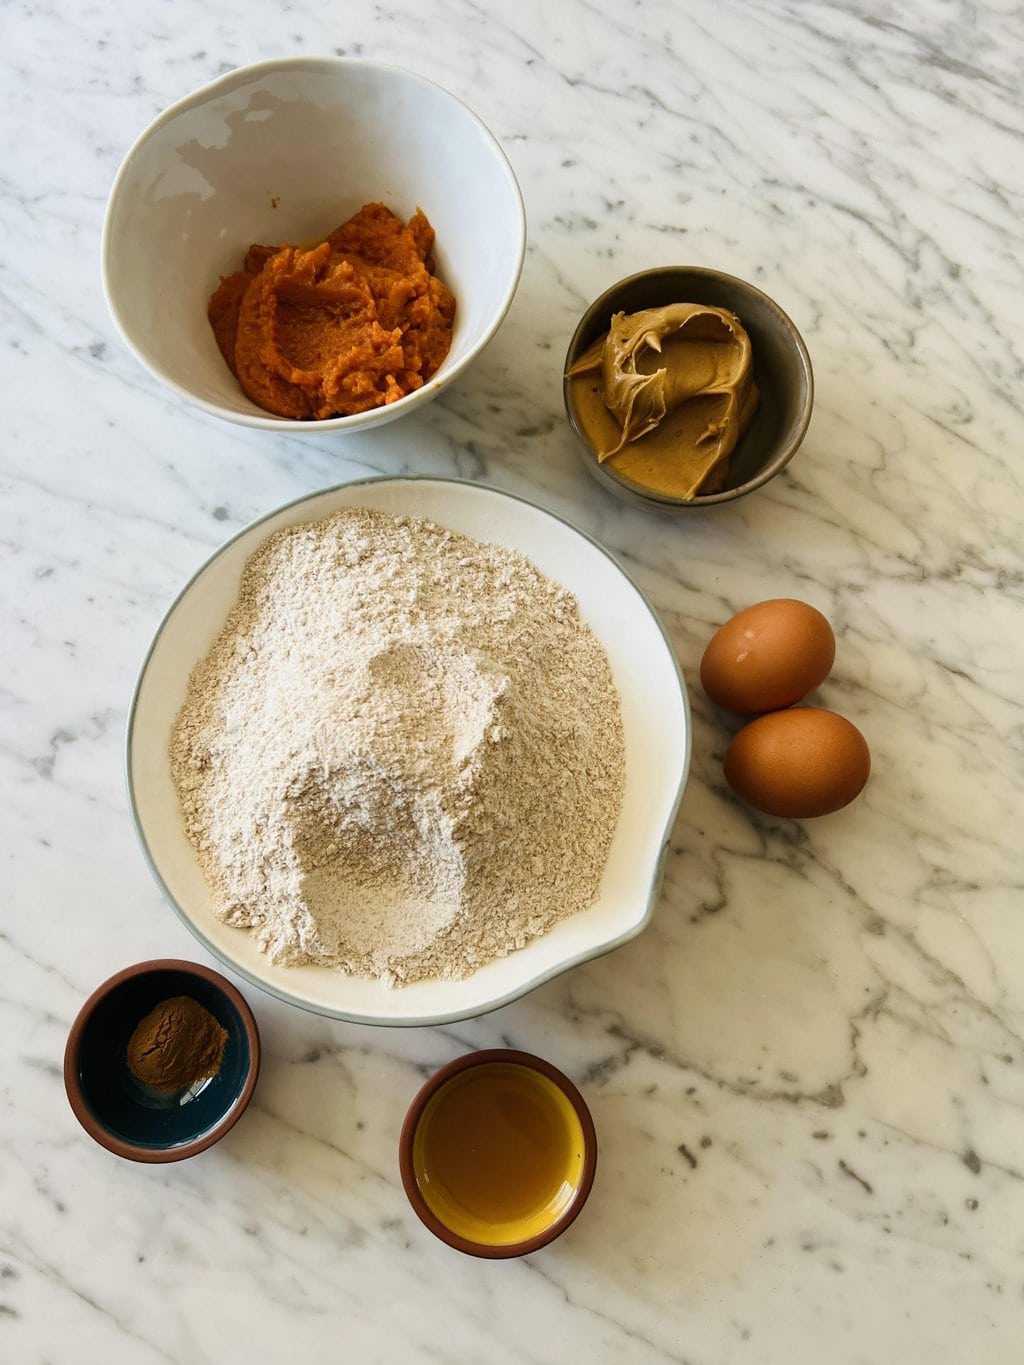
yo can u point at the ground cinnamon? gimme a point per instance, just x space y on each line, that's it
177 1044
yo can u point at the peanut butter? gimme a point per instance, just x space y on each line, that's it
665 395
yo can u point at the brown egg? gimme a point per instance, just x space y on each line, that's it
798 763
768 656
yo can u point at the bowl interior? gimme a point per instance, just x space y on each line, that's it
781 368
133 1113
657 748
284 152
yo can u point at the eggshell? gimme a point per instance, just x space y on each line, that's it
798 763
768 656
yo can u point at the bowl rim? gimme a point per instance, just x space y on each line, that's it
414 1114
549 974
636 492
73 1086
240 76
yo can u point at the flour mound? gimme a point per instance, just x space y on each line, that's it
403 756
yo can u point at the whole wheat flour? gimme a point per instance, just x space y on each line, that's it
403 755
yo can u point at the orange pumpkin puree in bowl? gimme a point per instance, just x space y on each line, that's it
351 324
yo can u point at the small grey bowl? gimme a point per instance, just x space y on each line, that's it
782 372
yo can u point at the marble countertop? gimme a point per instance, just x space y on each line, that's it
807 1074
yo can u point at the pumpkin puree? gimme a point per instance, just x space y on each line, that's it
359 321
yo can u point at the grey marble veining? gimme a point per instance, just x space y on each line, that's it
807 1075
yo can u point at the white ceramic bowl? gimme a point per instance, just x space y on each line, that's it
284 151
655 717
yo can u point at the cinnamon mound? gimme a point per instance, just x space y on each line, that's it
352 324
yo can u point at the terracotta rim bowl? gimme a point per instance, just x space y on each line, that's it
430 1088
782 371
103 1095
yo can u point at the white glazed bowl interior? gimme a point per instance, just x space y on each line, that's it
657 745
284 151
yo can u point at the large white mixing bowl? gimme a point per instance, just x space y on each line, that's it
655 717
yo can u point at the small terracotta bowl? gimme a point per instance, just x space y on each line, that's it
534 1107
782 372
128 1118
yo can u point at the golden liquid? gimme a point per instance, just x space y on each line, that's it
498 1153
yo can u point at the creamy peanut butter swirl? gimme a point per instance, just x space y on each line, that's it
687 362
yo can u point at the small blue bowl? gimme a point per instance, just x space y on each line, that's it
131 1119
